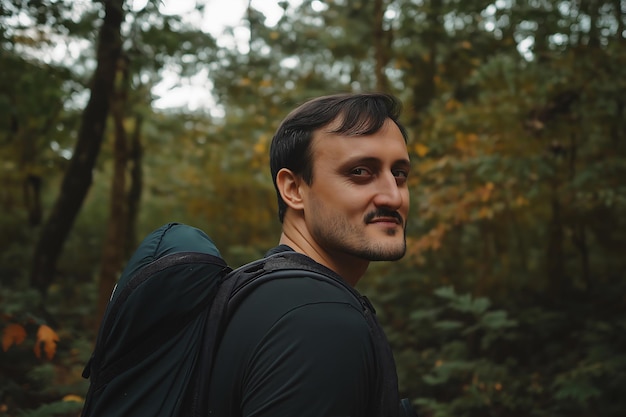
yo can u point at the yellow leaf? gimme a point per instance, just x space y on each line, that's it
49 339
485 192
73 398
13 334
420 149
452 104
485 213
259 147
521 201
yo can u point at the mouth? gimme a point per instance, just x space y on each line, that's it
387 218
387 224
387 221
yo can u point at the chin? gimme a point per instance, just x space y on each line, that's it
388 257
382 253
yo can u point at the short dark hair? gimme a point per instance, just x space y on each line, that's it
360 114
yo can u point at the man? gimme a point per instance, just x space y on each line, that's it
300 346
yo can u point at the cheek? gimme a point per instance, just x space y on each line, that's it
406 201
347 204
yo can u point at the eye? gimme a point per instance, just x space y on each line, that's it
401 175
361 172
361 175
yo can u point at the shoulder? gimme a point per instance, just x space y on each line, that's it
305 301
312 321
295 274
291 337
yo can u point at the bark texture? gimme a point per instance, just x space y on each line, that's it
78 177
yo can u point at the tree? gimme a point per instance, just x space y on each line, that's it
152 42
114 250
78 176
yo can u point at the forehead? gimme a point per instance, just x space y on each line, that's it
386 144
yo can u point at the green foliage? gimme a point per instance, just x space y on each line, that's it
510 299
56 409
28 381
461 356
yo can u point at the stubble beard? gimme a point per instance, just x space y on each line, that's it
380 252
339 236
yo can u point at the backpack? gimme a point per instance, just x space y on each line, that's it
162 325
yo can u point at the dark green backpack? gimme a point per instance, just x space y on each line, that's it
148 351
160 331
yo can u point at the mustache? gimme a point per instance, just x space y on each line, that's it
382 212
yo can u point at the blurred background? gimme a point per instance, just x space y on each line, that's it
118 116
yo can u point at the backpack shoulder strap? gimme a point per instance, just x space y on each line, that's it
215 324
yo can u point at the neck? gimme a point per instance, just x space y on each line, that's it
350 268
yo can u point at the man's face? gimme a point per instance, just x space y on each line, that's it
358 201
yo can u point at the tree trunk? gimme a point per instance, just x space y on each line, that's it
135 188
32 198
113 248
381 46
619 17
424 90
78 176
555 261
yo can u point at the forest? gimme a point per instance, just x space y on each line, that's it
511 300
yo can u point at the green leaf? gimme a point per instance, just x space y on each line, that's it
448 325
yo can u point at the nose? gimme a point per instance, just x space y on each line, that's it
389 194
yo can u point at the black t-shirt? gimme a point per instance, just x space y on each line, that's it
295 347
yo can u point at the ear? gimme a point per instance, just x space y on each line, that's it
288 185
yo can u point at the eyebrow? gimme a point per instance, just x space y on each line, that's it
403 163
